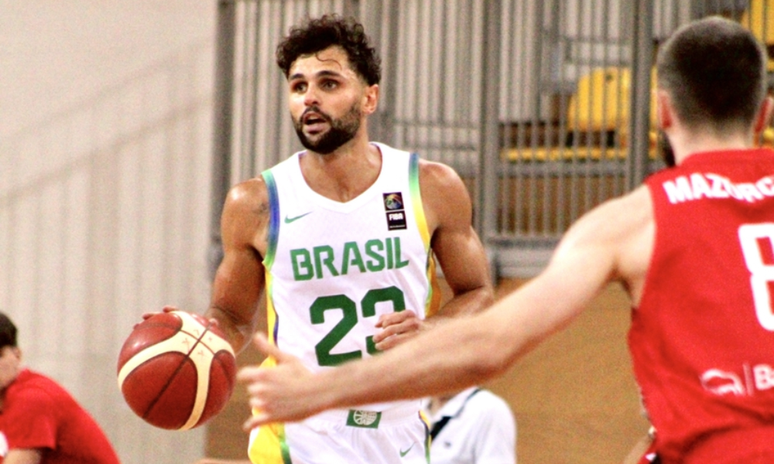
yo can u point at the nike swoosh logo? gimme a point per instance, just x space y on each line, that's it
403 453
288 220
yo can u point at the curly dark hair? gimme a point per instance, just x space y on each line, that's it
315 35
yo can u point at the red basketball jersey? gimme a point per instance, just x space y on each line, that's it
702 339
38 413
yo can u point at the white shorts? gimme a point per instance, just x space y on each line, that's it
395 436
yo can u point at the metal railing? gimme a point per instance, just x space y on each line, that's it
542 106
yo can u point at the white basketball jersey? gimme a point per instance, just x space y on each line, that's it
332 268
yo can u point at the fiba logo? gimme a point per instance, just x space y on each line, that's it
393 206
393 201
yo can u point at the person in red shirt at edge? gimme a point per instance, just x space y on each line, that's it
40 422
692 247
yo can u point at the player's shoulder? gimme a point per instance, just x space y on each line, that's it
490 408
634 209
622 213
246 211
439 179
612 227
248 196
36 391
437 171
248 191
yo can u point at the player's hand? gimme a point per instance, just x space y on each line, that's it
169 309
279 393
397 328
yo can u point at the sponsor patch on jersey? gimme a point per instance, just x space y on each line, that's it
395 211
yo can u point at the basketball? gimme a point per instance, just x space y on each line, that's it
176 370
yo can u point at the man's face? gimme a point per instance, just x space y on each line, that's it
326 100
10 360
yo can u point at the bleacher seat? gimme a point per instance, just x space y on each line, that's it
597 109
758 18
601 100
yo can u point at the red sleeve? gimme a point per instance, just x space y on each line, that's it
31 421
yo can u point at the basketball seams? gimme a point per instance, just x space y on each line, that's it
176 344
202 364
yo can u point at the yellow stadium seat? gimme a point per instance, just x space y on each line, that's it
601 100
599 105
758 18
767 138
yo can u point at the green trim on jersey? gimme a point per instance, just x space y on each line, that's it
433 300
270 446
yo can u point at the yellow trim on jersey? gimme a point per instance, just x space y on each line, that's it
428 439
268 446
433 301
434 297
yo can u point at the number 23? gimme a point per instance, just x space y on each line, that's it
349 320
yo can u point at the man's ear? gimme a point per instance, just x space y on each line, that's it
764 114
371 99
664 110
15 350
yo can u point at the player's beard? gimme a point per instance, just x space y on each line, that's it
340 131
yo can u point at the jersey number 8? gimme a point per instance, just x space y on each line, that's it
761 274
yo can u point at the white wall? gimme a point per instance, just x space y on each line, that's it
105 143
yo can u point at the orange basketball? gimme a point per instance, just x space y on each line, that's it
176 370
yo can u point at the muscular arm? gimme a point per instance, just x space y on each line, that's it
470 350
23 456
454 241
239 281
456 246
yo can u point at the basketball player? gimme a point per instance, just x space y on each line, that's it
693 248
343 237
41 423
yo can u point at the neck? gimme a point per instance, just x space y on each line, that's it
686 145
345 173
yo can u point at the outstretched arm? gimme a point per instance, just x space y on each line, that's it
467 350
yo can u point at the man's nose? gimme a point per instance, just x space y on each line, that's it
311 97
